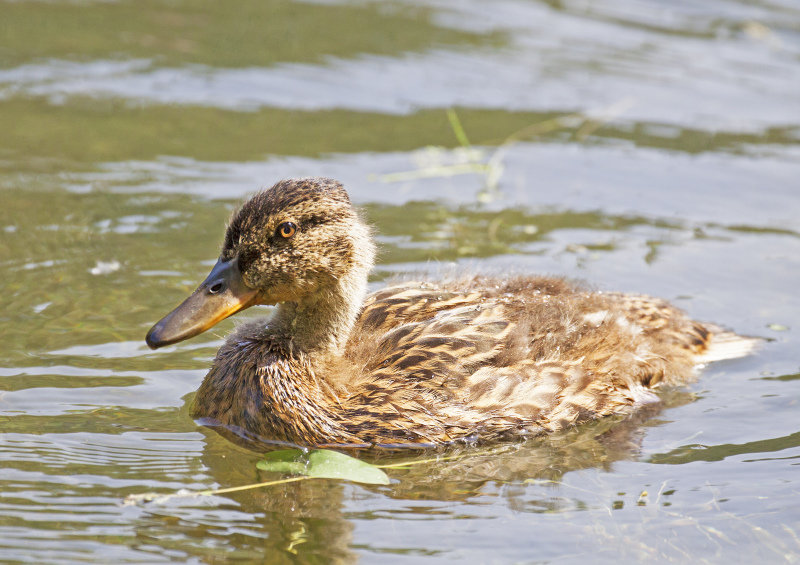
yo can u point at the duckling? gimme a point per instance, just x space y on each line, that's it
415 363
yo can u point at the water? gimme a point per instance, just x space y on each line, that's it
659 154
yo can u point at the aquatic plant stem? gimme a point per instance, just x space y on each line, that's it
212 492
583 123
418 462
146 497
157 497
458 129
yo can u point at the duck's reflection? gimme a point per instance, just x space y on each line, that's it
315 518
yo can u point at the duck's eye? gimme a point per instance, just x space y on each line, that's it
287 229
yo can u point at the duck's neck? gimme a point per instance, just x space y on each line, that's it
322 322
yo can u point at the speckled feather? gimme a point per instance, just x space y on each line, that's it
431 362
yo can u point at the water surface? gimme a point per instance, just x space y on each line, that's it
636 145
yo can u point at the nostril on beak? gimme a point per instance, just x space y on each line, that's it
216 288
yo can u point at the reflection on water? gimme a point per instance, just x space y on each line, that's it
132 130
312 516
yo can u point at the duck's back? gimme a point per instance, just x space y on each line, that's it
489 357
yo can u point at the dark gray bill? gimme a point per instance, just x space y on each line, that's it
222 294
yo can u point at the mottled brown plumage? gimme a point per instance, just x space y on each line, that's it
423 362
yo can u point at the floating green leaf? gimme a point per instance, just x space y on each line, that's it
323 464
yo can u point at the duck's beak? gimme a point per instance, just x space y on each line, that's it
222 294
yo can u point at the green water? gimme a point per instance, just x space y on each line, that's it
637 145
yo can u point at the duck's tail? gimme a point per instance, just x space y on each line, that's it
728 345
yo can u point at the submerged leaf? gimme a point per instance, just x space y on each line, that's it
284 461
323 464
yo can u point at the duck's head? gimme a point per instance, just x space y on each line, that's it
293 242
